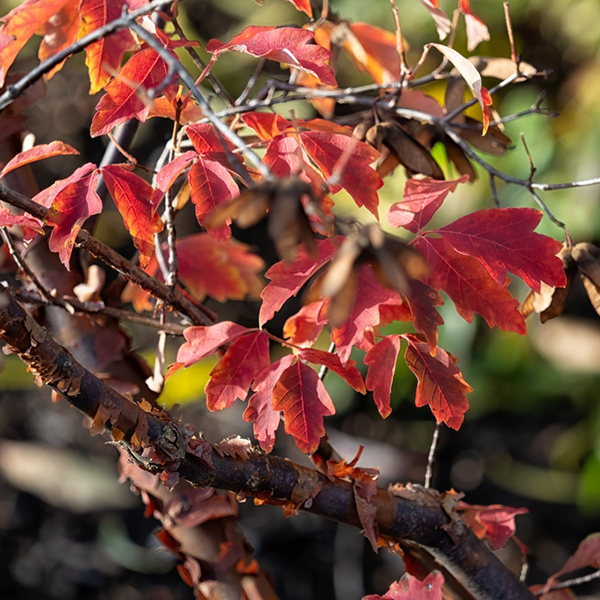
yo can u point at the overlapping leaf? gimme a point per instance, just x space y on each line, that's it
302 397
132 196
441 384
381 360
503 240
30 224
167 176
46 197
260 409
440 18
230 380
494 522
348 372
286 45
411 588
36 153
103 58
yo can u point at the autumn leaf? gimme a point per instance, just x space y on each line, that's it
260 409
586 555
477 30
503 239
381 360
231 378
71 206
211 185
422 198
167 176
103 58
303 328
348 372
266 125
288 278
18 27
37 153
495 522
46 197
440 18
132 196
357 177
441 384
422 301
287 45
302 397
410 588
303 6
59 32
472 78
285 157
203 341
471 288
126 95
30 224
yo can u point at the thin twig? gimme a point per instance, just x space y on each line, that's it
431 457
251 82
323 371
569 583
494 191
399 41
171 278
511 38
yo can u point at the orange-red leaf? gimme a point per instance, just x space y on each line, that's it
410 588
503 239
287 45
266 125
357 177
288 278
285 157
167 176
440 18
132 196
30 224
422 198
231 378
472 290
303 328
72 205
348 372
303 6
36 153
381 360
441 384
18 27
211 185
126 96
202 341
260 409
59 32
422 301
477 30
302 397
46 197
103 58
496 522
377 54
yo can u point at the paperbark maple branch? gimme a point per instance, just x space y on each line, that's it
165 446
17 89
199 314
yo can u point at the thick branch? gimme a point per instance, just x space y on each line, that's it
163 445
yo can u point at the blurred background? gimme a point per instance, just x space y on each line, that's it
531 438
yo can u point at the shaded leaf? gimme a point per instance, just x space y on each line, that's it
71 206
422 198
103 58
231 378
132 196
422 301
410 588
477 30
302 397
440 18
348 372
202 342
7 219
260 409
470 287
495 522
287 45
586 555
46 197
441 384
382 359
37 153
503 239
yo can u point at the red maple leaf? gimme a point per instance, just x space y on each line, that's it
302 397
132 195
231 378
496 522
167 176
472 290
46 197
260 409
422 301
103 58
348 372
126 96
266 125
410 588
303 328
422 198
286 45
71 206
586 555
382 359
503 239
357 177
30 224
285 156
37 153
441 384
18 27
203 341
288 278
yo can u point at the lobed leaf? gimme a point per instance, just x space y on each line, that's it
382 359
410 588
36 153
348 372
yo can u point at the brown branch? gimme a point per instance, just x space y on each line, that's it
167 447
199 314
